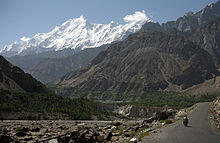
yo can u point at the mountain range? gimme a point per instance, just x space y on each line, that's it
76 34
49 56
174 56
201 27
144 61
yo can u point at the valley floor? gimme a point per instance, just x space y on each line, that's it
63 130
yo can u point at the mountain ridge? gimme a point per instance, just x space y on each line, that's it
13 78
186 24
144 61
76 34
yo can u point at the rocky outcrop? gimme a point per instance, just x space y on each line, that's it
145 112
13 78
207 36
151 26
190 21
215 110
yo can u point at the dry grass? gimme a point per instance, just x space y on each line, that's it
142 135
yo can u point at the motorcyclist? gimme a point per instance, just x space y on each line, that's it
185 120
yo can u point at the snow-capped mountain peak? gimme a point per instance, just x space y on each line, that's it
77 34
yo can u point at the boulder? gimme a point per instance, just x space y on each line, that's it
133 140
99 139
108 127
21 134
53 141
114 139
116 123
28 138
24 129
162 115
108 136
35 129
135 128
64 139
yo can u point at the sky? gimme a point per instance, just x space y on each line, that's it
25 18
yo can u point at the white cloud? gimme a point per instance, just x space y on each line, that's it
138 16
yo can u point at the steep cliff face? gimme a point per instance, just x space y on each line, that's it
144 61
207 36
13 78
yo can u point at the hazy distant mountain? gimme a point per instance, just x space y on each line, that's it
13 78
50 69
76 34
27 61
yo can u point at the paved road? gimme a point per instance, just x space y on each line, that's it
198 130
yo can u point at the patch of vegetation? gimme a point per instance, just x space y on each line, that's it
81 127
172 100
4 130
168 121
47 103
142 135
132 133
145 98
121 129
18 129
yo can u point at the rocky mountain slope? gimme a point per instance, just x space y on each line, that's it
207 36
175 56
13 78
76 34
144 61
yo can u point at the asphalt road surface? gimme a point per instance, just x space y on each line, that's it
198 130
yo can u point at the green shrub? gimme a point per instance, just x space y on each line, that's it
168 121
18 129
4 130
142 135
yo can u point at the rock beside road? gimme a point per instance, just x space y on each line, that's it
215 110
66 131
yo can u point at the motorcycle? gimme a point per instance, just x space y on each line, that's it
185 121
